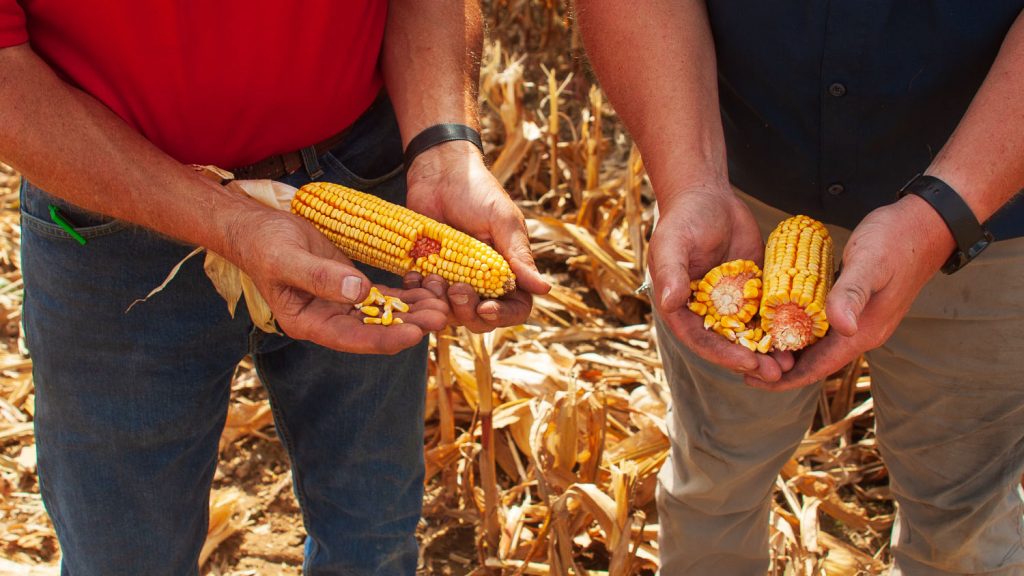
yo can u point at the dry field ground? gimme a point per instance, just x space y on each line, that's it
543 441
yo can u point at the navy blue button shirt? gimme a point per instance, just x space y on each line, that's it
829 107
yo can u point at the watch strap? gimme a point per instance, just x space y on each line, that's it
439 134
970 236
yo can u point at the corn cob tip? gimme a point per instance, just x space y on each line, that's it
510 284
791 328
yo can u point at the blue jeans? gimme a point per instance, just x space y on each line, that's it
130 405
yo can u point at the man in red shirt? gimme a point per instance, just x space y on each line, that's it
103 113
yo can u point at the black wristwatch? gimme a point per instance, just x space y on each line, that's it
971 236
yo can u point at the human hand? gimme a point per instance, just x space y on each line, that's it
890 256
312 288
451 184
698 230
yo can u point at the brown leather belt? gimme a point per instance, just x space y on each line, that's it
281 165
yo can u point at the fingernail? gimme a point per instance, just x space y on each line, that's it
460 299
851 317
666 293
489 316
351 286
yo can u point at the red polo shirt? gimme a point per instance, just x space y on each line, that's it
224 82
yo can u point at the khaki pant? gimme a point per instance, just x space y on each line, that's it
948 391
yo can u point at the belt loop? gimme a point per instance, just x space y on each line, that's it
309 160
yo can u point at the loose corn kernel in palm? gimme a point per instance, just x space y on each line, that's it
755 340
396 239
797 278
378 308
373 299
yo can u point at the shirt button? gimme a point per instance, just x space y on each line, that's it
837 89
836 189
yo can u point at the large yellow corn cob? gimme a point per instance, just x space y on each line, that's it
797 277
396 239
728 298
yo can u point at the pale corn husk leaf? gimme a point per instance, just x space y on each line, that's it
268 192
823 487
167 280
227 516
815 440
259 310
245 418
843 559
9 568
809 527
226 279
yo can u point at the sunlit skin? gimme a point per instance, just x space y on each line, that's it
450 182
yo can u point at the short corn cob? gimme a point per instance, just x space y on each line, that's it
396 239
797 277
728 298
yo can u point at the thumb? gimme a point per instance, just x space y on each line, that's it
670 278
336 280
511 240
858 281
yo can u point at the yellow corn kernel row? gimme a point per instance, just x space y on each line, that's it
728 297
375 303
797 278
396 239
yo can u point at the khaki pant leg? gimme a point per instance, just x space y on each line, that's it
728 443
949 399
949 396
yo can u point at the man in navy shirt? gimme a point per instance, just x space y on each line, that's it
747 111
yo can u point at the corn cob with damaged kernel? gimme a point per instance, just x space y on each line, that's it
396 239
728 298
797 278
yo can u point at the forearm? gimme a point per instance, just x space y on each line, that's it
657 66
69 144
984 158
431 62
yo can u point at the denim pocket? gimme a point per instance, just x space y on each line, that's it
35 215
371 152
